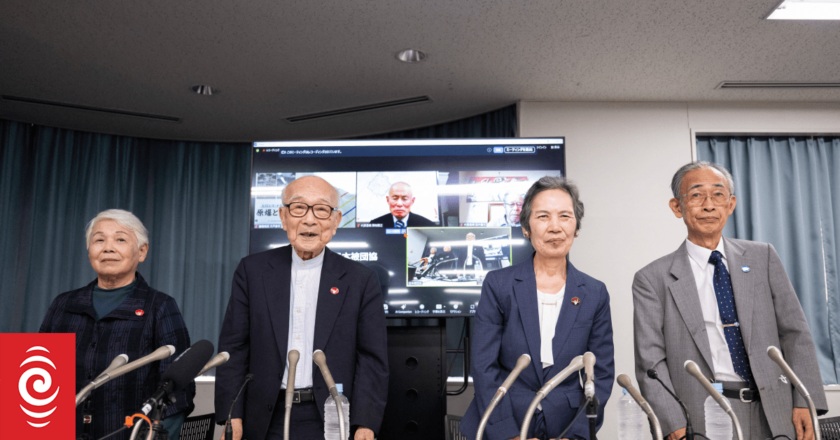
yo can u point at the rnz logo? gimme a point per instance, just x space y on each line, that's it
37 378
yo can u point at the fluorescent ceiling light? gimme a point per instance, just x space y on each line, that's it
471 291
482 243
332 245
807 10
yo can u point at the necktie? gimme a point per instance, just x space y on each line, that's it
399 224
729 317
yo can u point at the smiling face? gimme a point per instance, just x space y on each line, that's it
114 254
552 223
705 221
400 199
308 234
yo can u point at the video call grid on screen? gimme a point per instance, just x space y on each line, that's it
458 202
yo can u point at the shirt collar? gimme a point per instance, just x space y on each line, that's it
404 220
316 261
701 255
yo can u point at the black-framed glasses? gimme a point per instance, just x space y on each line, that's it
298 209
697 198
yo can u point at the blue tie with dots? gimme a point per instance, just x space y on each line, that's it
729 317
399 224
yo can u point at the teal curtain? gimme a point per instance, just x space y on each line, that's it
788 191
192 197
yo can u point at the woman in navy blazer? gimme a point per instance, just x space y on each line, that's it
517 307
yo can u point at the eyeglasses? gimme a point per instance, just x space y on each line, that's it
697 198
298 209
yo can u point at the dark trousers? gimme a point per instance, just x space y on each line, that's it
305 422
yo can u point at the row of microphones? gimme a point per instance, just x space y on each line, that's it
120 366
521 363
321 361
694 370
575 365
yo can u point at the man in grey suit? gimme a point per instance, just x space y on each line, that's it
721 302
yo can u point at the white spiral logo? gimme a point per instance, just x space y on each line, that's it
40 385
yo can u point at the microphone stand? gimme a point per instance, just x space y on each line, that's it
592 414
689 430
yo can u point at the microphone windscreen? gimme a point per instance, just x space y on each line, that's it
188 364
652 373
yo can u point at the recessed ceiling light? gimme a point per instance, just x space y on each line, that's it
806 10
206 90
411 55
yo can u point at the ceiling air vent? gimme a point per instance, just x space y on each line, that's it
358 109
777 85
89 108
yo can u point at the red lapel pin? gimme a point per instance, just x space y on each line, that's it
138 312
575 300
334 290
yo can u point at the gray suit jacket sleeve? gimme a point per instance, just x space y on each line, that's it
794 335
648 324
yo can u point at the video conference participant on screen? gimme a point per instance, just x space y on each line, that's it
473 257
303 297
547 308
513 206
400 198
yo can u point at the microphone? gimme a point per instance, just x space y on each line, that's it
217 360
589 369
118 361
228 428
321 361
776 355
575 365
625 383
694 370
293 357
521 363
181 373
689 430
159 354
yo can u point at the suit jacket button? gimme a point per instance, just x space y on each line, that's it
270 407
280 376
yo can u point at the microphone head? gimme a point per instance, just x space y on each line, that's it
688 364
249 376
624 381
294 356
318 357
124 358
523 361
774 353
171 349
188 364
653 374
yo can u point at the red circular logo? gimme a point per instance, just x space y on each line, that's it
334 290
139 312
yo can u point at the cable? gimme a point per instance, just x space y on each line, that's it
580 411
114 433
449 370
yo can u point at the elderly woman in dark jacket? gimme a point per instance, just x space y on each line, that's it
119 313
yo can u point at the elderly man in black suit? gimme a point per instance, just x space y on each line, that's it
400 198
303 297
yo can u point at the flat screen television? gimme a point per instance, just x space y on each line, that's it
431 217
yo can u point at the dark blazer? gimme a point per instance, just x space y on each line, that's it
669 329
121 331
414 221
349 328
507 325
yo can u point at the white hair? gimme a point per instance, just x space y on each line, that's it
125 219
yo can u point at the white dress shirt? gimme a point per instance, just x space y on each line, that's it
303 302
704 274
549 306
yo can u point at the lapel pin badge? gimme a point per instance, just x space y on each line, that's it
575 300
783 379
334 290
745 269
139 312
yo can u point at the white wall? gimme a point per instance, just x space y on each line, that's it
622 156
